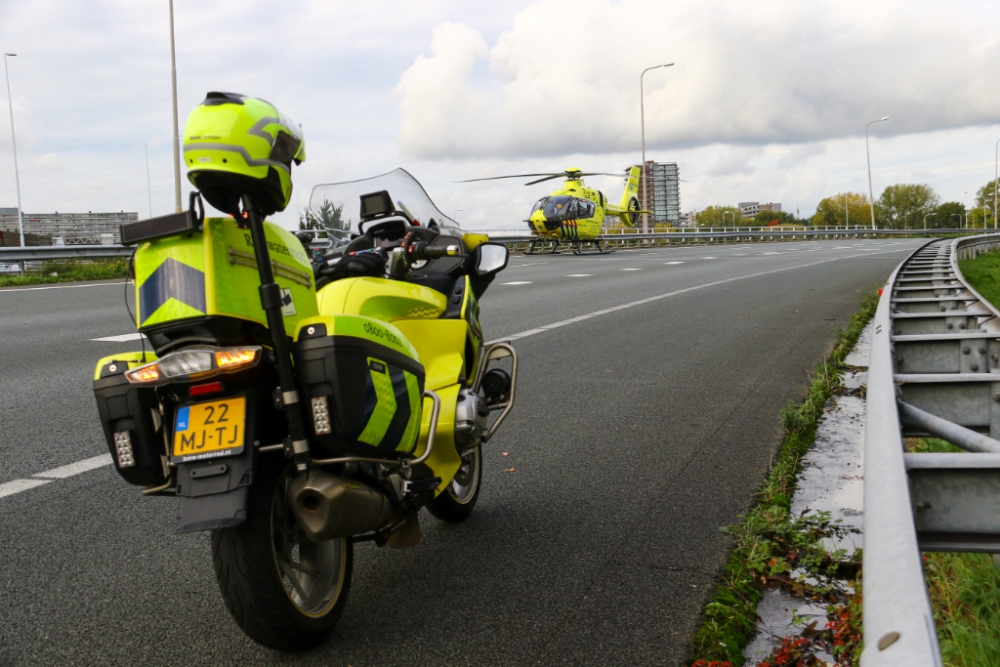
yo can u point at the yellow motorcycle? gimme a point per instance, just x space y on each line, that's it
296 408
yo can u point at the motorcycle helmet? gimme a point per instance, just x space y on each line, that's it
236 145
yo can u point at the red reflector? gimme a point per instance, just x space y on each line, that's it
202 389
880 293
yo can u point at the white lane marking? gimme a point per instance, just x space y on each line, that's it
658 297
62 472
521 266
518 282
32 289
19 485
579 275
123 338
710 258
673 262
740 254
631 268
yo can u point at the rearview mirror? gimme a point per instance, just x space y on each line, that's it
492 258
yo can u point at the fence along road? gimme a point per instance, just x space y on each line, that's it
934 371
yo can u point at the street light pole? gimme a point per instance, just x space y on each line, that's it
149 186
847 213
871 193
457 211
177 142
929 215
17 177
642 121
996 157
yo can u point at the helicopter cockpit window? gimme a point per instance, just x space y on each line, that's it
539 204
568 208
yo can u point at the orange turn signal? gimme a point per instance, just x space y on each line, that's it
148 373
234 357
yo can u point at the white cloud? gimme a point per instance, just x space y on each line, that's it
564 77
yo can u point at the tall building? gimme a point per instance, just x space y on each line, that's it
664 200
73 228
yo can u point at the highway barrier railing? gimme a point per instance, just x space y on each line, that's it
934 371
617 238
516 241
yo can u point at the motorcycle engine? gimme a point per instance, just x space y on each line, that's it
470 417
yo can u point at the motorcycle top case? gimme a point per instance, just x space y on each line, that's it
362 385
133 434
213 274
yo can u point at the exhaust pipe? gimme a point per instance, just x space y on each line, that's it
328 506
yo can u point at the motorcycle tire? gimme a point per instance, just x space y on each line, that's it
458 500
284 592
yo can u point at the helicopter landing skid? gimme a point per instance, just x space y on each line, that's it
531 247
578 249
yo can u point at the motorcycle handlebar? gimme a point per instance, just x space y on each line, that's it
422 250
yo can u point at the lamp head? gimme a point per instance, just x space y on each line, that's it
886 118
10 54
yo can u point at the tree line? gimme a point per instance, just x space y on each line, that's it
900 206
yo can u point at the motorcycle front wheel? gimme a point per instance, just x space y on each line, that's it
285 592
457 501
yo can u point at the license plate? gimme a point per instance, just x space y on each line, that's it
207 430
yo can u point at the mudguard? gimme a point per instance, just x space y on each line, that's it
213 492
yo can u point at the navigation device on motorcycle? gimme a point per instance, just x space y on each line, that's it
376 205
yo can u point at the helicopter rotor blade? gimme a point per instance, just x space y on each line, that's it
497 178
547 178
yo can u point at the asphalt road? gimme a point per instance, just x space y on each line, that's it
642 426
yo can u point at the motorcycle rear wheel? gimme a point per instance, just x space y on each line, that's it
457 501
285 592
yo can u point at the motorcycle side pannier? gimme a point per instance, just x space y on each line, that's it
361 386
132 435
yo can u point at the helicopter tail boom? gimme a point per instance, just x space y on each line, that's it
628 211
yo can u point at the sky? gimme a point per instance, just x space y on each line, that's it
766 101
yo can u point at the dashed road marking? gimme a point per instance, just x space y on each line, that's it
631 268
518 282
673 262
62 472
19 485
579 275
123 338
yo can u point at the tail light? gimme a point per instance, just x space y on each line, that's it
195 364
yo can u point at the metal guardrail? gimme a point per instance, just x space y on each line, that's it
934 371
737 234
43 253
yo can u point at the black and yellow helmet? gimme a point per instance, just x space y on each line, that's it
236 145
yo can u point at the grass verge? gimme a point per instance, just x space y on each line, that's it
983 273
774 548
64 271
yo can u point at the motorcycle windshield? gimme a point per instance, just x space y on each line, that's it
343 200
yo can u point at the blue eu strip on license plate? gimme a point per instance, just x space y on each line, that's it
182 418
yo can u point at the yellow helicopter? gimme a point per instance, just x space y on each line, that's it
575 213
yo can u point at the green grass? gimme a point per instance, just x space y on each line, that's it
965 596
70 271
770 543
983 273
